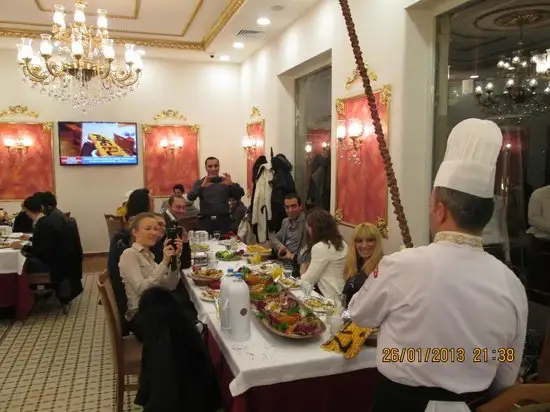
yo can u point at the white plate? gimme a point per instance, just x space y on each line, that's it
319 310
297 285
205 297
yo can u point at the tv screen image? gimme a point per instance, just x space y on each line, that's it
97 143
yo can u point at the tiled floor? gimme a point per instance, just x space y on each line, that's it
52 362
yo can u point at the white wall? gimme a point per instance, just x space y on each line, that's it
398 44
207 93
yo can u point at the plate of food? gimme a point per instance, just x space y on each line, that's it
290 283
209 295
203 277
256 278
261 293
318 304
261 250
285 316
200 247
229 256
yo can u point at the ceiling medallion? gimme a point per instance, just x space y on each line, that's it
522 18
76 63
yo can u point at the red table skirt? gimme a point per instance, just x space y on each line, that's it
15 291
348 391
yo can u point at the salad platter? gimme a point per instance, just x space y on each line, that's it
286 316
199 247
318 304
229 256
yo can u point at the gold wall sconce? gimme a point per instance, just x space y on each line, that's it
17 145
351 134
171 145
250 144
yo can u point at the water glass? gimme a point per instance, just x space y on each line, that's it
307 288
217 235
287 272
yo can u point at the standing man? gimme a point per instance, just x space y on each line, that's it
214 192
452 317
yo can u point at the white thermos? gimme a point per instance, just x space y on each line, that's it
239 309
224 300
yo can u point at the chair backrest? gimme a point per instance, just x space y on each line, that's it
114 224
115 328
190 223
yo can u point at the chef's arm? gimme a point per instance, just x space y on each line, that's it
507 372
370 305
535 215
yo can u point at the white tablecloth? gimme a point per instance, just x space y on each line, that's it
266 358
11 261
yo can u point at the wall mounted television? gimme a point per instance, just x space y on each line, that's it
97 143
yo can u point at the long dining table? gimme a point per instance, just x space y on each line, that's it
14 284
269 373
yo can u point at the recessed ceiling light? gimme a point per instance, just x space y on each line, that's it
474 76
277 8
238 45
224 58
263 21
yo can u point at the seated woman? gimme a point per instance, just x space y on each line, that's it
362 259
138 268
328 254
237 209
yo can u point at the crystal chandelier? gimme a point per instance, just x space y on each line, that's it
520 88
76 63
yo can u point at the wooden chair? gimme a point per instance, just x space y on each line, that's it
41 279
114 224
126 350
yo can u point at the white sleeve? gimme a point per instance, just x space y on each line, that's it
370 305
507 372
317 265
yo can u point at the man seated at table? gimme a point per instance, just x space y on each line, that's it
22 222
179 191
290 243
52 251
172 216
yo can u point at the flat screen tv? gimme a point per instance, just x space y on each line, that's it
97 143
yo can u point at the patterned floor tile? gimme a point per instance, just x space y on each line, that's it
53 362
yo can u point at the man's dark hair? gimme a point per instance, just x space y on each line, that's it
33 203
471 213
171 199
178 186
294 196
138 202
211 158
49 201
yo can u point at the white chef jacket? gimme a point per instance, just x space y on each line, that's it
448 296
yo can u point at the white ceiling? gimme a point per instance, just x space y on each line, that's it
182 29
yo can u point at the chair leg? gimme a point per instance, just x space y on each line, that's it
119 406
64 309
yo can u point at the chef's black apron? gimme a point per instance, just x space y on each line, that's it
395 397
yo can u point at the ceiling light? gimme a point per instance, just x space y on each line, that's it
238 45
224 58
474 76
263 21
277 8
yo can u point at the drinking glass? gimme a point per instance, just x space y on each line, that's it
307 288
288 273
217 235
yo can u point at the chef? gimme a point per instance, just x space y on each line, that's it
452 317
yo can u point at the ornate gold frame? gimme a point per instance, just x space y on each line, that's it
385 99
23 111
228 12
254 118
169 114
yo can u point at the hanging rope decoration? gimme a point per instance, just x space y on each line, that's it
384 152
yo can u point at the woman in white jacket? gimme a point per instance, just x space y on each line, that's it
328 255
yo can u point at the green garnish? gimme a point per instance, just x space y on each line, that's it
271 289
281 327
257 296
293 310
262 315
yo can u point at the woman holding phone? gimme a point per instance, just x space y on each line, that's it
138 268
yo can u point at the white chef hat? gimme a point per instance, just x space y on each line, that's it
470 159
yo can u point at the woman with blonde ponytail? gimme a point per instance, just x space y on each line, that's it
362 258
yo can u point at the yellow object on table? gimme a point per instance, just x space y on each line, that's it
106 147
348 341
256 259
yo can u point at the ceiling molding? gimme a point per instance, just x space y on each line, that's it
135 16
229 11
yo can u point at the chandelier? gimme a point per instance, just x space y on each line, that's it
76 63
521 87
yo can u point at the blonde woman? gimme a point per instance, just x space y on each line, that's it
362 259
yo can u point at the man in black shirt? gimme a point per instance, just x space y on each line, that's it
214 192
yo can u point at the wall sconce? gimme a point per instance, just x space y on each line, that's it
250 144
171 145
354 130
17 145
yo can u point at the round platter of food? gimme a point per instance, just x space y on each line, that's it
199 247
290 283
204 277
209 295
318 304
229 256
